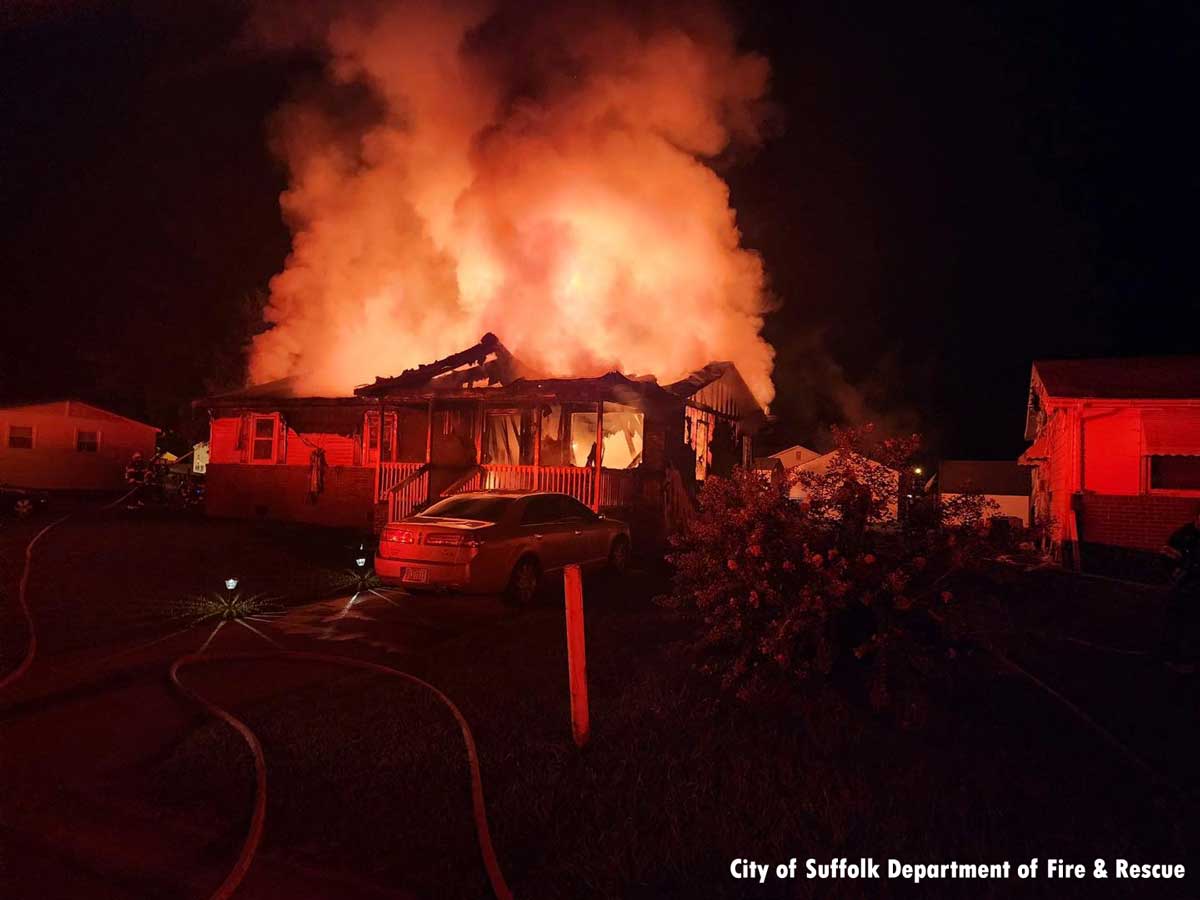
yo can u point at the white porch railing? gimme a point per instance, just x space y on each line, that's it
392 473
404 486
617 488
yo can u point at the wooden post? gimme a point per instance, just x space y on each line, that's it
576 659
479 434
429 433
599 458
537 447
378 451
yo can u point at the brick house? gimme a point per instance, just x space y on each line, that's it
478 419
1116 449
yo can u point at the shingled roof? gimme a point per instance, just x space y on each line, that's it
1133 378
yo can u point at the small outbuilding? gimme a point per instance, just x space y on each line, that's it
69 445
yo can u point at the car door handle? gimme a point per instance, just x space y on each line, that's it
537 537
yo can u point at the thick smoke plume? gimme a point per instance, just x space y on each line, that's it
542 171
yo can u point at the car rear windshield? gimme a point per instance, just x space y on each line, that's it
482 509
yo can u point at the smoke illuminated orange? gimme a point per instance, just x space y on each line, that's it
541 176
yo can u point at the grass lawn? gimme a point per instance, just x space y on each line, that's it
369 776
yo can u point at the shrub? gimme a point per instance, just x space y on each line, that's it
786 592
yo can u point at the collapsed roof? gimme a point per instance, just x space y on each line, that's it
489 370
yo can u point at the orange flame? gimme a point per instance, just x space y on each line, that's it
546 178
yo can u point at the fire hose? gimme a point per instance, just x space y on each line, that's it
254 834
23 598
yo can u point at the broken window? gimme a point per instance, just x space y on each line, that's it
623 435
506 438
554 446
697 434
583 438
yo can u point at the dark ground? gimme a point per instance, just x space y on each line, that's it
115 786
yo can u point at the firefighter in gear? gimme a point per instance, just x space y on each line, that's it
136 470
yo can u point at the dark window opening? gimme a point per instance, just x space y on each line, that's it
20 437
87 441
1175 473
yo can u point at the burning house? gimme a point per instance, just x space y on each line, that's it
476 420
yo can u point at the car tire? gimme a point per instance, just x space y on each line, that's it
618 555
23 508
525 582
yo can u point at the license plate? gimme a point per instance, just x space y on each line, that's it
416 576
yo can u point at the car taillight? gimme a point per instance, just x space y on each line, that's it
397 535
450 540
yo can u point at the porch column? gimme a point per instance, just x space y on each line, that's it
429 433
479 434
378 451
599 460
537 447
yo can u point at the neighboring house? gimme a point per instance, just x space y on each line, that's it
70 445
478 419
820 465
771 470
1116 448
794 456
1005 483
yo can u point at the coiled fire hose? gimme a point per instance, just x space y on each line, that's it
254 835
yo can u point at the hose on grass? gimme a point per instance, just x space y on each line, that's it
23 595
254 834
23 601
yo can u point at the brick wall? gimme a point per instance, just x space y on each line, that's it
281 492
1141 522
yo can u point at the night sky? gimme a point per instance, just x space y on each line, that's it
950 192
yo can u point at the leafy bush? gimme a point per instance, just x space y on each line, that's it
786 591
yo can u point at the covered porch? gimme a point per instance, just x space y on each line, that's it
497 439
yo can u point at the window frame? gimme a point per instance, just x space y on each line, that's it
254 440
1148 470
96 444
8 436
386 438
